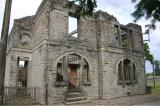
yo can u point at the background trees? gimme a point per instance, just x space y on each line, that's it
148 9
86 7
157 67
148 56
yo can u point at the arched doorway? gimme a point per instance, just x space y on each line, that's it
72 70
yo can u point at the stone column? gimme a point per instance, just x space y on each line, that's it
65 69
131 73
123 74
84 72
119 34
129 39
79 74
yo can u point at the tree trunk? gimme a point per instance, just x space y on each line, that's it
3 46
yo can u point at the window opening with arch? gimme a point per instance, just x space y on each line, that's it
72 69
126 72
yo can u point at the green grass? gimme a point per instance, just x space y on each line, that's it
156 90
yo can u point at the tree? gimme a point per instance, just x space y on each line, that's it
157 67
150 10
86 7
148 56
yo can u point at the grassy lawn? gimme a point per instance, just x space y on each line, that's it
156 90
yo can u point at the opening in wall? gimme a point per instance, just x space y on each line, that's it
124 38
23 62
68 72
22 71
73 27
126 72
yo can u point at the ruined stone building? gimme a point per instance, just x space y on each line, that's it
100 58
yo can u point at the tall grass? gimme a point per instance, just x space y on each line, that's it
156 90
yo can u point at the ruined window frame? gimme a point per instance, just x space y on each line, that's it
126 76
74 32
22 77
25 60
125 38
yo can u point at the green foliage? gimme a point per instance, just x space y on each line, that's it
124 43
149 74
86 7
150 10
157 67
148 56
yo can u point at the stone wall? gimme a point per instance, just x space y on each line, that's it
111 52
11 75
39 50
110 75
56 94
19 45
21 34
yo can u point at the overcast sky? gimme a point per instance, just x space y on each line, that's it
121 9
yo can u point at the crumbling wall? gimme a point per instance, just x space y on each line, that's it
112 52
21 34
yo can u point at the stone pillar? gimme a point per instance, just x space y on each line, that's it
131 73
123 74
129 39
84 73
65 69
79 74
119 34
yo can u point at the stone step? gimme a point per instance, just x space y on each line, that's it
76 102
73 94
75 99
73 90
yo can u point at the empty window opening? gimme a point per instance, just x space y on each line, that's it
72 27
23 62
124 38
23 71
116 32
126 72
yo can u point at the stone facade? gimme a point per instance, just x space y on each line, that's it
43 39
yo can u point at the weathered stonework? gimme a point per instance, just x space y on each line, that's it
43 39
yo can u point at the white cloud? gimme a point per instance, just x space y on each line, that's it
20 8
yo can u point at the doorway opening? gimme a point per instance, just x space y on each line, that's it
72 71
